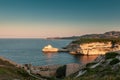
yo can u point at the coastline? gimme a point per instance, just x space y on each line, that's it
49 71
11 62
45 70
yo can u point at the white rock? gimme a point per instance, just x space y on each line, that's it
81 73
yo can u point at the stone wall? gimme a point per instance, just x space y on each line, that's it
73 68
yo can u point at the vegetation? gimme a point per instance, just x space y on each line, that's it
110 34
90 40
9 71
104 71
114 61
99 73
61 71
110 55
90 64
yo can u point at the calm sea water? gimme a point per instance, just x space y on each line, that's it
29 51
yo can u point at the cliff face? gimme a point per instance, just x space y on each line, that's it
93 48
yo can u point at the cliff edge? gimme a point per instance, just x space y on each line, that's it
94 46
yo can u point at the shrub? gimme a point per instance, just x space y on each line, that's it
114 61
22 72
110 55
61 71
52 78
103 40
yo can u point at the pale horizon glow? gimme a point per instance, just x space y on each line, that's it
61 18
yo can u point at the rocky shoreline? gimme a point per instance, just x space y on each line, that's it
104 67
48 71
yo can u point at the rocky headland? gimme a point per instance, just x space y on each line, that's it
105 67
92 46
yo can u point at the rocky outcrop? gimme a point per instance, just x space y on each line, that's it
93 48
44 71
104 67
49 48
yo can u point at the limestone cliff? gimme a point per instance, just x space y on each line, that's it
94 47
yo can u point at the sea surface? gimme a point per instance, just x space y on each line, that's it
29 51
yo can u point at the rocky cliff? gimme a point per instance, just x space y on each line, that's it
93 46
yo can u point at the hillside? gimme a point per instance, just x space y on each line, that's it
9 71
110 34
105 67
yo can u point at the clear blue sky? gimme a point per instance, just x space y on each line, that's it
50 18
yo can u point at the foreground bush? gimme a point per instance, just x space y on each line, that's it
61 71
114 61
110 55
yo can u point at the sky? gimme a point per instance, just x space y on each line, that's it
57 18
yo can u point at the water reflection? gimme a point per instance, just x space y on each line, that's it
85 59
49 55
62 58
49 58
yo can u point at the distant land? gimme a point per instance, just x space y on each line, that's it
110 34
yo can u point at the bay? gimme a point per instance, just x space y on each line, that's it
29 51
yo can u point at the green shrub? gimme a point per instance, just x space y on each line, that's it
3 71
103 40
110 55
52 78
114 61
22 72
61 71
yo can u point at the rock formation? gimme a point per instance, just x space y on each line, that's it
93 47
104 67
49 48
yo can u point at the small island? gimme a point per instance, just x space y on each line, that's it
49 48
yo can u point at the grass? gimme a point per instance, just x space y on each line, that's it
99 73
10 72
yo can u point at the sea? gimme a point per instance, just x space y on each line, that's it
29 51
